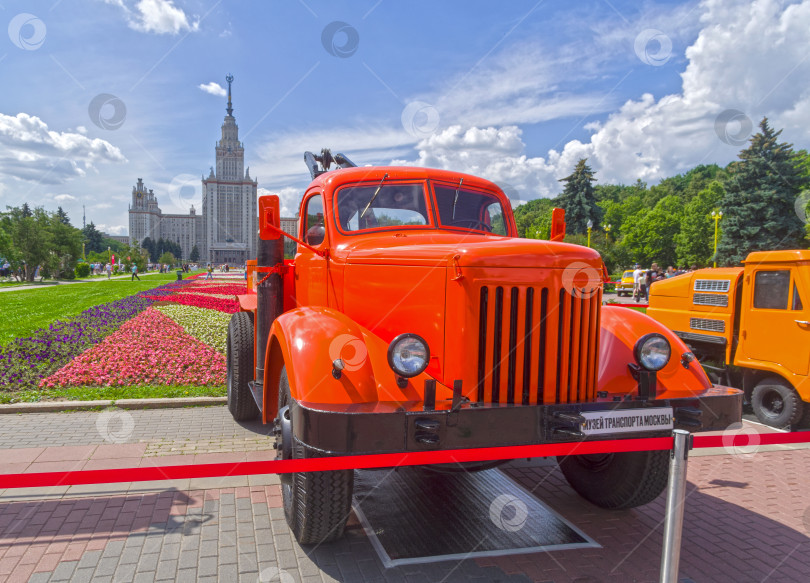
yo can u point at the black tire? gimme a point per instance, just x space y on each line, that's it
316 504
240 367
617 480
776 403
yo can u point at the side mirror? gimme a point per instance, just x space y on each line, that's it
269 214
557 225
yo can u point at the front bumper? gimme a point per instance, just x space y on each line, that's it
369 428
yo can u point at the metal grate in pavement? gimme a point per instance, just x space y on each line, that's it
413 515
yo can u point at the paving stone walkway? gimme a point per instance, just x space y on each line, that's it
747 514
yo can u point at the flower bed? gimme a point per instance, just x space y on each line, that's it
229 306
25 361
208 326
216 288
151 348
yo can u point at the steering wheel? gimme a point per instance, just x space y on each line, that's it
473 223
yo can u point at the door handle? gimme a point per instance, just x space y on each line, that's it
802 322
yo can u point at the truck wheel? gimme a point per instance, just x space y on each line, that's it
316 504
776 404
240 367
617 480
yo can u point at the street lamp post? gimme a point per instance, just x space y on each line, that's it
607 233
590 226
716 216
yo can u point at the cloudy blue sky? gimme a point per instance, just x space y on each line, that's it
98 93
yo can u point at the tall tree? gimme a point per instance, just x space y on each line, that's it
195 254
578 199
694 244
62 216
759 203
93 239
31 237
649 234
66 248
151 248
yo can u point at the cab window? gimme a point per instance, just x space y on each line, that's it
771 289
314 229
373 206
470 209
797 300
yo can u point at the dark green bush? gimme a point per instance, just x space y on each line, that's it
82 270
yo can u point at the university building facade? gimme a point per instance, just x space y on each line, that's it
225 231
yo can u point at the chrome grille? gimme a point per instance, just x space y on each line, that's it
707 324
716 285
537 346
710 300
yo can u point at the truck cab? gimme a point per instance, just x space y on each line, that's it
752 324
413 318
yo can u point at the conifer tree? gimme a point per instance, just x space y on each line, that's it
759 203
578 199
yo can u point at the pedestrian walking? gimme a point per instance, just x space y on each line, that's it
210 274
109 270
638 279
135 273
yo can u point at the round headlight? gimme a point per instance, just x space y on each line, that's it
652 351
408 355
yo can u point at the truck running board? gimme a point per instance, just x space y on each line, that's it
257 391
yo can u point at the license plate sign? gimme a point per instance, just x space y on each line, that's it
626 421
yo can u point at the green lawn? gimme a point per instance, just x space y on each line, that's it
27 310
112 393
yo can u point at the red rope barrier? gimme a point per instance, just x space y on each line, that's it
728 440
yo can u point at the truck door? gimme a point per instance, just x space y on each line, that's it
310 268
775 329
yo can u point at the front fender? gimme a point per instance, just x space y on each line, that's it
307 340
620 328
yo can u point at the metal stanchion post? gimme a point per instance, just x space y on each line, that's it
676 493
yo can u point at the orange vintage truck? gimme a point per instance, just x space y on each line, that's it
749 325
413 318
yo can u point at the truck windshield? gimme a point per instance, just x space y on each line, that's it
396 205
470 209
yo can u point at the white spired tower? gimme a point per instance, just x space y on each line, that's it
229 200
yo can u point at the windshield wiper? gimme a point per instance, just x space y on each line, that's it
455 199
376 192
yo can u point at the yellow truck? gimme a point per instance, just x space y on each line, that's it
750 326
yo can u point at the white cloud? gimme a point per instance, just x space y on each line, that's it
289 199
747 56
64 197
213 88
30 151
492 153
113 229
156 16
